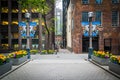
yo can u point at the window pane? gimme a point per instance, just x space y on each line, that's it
98 1
98 16
85 16
14 5
115 1
114 18
84 1
4 3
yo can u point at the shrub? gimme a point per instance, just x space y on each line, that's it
115 59
18 54
102 54
47 52
44 52
33 51
51 51
3 59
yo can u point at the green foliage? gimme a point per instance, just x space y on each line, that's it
41 5
3 59
47 52
102 54
51 51
44 52
17 54
115 59
34 51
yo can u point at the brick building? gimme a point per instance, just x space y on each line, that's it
10 16
107 12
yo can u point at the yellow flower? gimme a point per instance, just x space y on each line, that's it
3 57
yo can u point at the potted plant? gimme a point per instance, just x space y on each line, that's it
101 57
114 64
18 57
5 64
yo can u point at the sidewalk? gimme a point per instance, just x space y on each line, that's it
62 66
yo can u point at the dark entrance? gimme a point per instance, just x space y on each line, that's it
107 44
85 43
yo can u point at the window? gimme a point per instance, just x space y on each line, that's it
14 15
4 16
98 16
4 3
34 15
98 1
115 1
84 16
14 5
115 18
84 1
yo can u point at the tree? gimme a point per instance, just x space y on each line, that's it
42 7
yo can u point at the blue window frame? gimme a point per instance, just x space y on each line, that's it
115 17
115 1
84 16
85 1
98 16
98 1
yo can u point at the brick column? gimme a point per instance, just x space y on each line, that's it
101 40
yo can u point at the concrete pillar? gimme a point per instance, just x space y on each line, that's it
19 20
9 23
0 24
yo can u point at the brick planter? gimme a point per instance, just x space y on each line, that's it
5 68
101 61
17 61
114 67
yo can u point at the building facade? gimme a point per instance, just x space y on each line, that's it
11 14
107 13
65 8
69 26
58 26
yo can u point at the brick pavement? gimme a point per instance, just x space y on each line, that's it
60 67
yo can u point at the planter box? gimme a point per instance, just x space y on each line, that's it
5 68
114 67
100 61
18 61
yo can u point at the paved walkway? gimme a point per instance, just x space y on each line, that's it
62 66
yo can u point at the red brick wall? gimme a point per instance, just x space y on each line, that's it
106 31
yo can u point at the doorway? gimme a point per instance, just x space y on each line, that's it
85 43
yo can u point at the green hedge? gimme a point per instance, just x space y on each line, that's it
49 52
34 51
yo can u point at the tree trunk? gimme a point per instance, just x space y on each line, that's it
48 33
40 33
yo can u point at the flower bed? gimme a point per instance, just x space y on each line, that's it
114 64
34 51
5 64
101 57
18 57
47 52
